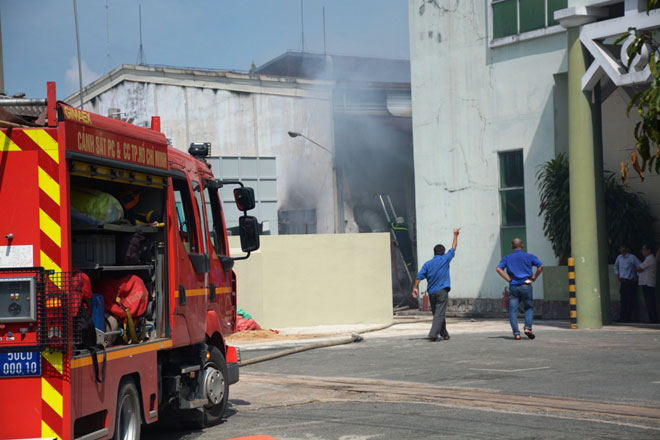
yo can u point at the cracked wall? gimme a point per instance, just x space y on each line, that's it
470 102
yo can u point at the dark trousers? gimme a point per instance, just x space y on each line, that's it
628 291
649 299
439 301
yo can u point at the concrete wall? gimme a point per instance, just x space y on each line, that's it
471 101
308 280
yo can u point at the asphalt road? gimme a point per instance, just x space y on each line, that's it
480 384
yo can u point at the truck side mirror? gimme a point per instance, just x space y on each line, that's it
249 232
244 197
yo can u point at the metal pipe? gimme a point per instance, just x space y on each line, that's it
23 101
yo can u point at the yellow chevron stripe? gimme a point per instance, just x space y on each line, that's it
46 142
7 144
49 264
573 314
47 431
572 301
50 227
49 186
55 359
52 397
571 275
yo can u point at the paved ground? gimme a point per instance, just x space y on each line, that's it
480 384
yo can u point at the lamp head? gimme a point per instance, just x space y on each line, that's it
294 134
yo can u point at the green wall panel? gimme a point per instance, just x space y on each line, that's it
532 15
555 5
505 18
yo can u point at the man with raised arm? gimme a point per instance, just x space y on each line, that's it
436 273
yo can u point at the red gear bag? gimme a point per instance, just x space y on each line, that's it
127 292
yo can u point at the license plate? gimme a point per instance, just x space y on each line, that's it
20 364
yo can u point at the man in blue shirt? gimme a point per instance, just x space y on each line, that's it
436 273
518 265
625 268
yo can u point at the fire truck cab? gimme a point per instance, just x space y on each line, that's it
89 200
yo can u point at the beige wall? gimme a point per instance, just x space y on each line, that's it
323 279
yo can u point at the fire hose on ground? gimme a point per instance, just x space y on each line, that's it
354 337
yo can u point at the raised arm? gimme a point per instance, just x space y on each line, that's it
454 244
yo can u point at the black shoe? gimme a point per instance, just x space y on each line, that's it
529 334
446 337
433 339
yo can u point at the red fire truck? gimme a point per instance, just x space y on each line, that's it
51 386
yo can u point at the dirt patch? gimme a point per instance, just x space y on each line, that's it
265 335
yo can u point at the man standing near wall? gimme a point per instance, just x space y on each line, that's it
518 265
436 272
625 268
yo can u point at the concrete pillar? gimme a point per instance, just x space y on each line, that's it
588 229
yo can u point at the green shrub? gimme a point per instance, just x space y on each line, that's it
628 216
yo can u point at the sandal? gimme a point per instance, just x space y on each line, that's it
516 337
446 338
529 334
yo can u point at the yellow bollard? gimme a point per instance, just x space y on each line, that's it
572 303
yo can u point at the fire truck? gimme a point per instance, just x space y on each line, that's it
173 359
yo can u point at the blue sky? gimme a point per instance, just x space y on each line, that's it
39 39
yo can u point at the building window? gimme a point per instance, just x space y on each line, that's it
512 17
512 198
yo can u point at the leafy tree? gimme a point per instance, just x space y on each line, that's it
555 205
647 103
627 215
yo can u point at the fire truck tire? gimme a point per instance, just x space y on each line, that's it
216 386
128 420
215 372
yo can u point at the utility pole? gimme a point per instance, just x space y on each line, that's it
75 14
302 27
107 32
141 58
2 68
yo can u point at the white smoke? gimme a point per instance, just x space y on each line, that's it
71 75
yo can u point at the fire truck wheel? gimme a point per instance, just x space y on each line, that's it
128 420
216 389
216 386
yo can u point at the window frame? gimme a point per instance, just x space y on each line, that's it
188 210
215 224
504 247
529 35
199 202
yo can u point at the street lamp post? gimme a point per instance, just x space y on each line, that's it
295 134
